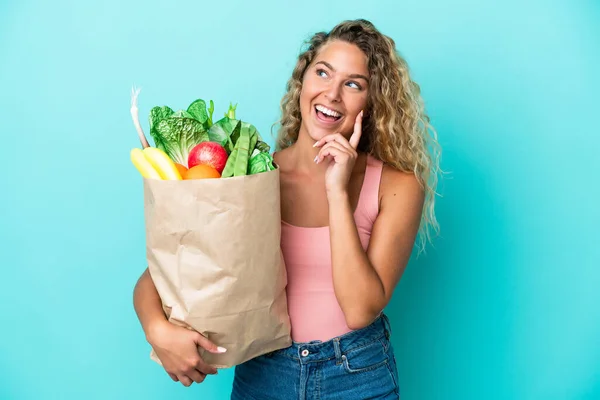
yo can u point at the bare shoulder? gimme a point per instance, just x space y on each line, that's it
281 158
400 189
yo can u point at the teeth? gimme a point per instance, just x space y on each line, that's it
329 112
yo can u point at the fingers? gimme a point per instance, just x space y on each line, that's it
181 356
204 368
188 380
185 380
196 371
334 137
206 344
355 138
337 151
197 376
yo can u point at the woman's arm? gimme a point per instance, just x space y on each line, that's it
147 305
175 346
364 281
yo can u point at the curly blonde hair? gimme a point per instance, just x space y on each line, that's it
396 128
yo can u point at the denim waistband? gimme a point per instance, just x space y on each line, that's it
317 351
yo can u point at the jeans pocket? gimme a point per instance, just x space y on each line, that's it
365 358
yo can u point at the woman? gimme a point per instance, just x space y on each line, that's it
358 170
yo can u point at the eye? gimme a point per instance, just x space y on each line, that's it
322 73
354 85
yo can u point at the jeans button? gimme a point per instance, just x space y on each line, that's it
304 353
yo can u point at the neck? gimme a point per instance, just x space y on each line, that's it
303 154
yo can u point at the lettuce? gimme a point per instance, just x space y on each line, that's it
260 161
176 133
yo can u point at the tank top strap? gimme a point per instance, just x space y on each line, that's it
369 197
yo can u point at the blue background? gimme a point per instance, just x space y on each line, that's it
505 306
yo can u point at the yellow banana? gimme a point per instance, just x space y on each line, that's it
142 164
162 163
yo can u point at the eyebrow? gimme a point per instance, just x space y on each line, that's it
355 76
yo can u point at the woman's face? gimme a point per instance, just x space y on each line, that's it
334 90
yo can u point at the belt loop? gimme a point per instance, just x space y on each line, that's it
387 325
337 350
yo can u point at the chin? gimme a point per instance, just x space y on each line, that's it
315 129
312 132
317 134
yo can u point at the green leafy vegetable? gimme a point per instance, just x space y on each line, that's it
157 114
176 133
197 110
229 169
260 162
222 132
262 146
245 136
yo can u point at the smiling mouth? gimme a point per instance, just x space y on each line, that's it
327 115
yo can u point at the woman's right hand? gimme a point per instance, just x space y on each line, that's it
177 349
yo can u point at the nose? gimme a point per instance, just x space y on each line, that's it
333 92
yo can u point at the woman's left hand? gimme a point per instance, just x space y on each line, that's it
342 155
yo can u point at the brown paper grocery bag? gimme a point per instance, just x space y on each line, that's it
214 254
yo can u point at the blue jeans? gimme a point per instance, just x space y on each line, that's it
356 366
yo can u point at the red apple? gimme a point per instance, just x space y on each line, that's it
208 153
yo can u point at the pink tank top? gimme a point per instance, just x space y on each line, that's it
315 313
